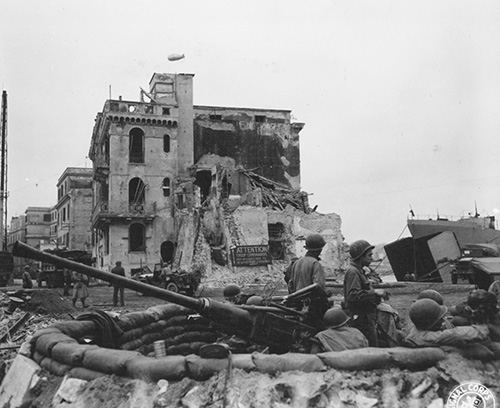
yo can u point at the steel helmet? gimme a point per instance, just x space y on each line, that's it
431 294
315 241
334 318
231 291
358 248
425 313
255 300
480 298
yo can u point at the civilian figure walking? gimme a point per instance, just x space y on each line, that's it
118 270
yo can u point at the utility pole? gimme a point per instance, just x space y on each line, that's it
3 174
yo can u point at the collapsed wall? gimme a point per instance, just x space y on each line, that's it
244 228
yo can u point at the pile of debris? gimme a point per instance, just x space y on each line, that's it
276 195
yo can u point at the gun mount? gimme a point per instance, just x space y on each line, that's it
276 327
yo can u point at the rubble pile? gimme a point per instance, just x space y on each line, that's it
276 195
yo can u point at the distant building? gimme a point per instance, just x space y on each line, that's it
32 228
72 228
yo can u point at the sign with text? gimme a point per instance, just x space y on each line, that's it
250 255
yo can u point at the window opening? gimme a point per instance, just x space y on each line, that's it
166 143
166 187
136 188
137 237
149 109
167 251
260 118
204 181
276 234
166 111
136 146
215 117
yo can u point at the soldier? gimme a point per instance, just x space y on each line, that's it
80 290
118 270
359 298
231 293
339 335
427 317
438 298
307 270
27 282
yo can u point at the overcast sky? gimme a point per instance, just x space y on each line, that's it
401 100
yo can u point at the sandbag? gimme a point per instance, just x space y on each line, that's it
71 354
132 345
272 363
76 328
198 327
42 332
45 343
132 334
367 358
154 369
84 373
180 320
203 368
151 338
415 358
108 361
172 331
189 337
154 327
168 310
243 362
38 357
179 349
134 320
476 351
55 367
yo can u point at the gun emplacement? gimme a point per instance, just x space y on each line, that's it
269 326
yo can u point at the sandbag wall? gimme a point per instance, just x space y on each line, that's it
183 331
61 354
57 349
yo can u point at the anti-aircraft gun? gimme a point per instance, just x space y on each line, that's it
276 325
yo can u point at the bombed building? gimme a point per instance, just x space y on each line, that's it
206 188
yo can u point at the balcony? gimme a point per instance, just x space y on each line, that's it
135 212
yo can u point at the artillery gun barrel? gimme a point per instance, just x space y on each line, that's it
237 320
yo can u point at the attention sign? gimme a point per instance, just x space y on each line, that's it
250 255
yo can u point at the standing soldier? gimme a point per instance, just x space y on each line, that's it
359 298
118 270
307 270
27 282
80 290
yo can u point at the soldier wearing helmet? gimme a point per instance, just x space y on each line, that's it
359 297
307 270
339 335
427 317
231 293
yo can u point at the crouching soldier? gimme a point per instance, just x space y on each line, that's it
428 318
481 307
339 335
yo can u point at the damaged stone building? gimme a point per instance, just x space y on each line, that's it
201 188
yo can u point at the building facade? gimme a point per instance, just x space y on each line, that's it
70 218
157 162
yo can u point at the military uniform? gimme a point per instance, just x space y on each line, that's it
361 300
304 272
458 336
341 338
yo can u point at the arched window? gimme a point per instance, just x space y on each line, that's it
136 146
166 143
137 237
167 251
136 189
166 187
